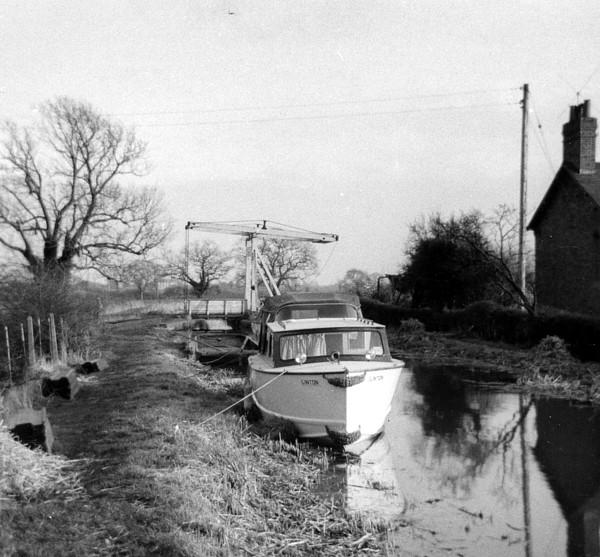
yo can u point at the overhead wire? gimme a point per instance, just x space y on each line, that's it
324 266
596 69
297 228
329 116
541 138
315 104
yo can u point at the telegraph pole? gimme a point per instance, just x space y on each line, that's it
523 195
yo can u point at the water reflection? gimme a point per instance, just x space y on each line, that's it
568 451
458 436
482 472
367 484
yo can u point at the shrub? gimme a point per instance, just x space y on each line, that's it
21 297
579 333
411 325
552 347
389 314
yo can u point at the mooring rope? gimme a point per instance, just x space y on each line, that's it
224 355
243 398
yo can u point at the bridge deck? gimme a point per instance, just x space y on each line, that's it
217 308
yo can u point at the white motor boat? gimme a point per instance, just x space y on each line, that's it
332 378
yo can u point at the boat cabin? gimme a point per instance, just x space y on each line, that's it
307 305
298 342
311 305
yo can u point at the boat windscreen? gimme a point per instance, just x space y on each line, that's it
345 343
317 311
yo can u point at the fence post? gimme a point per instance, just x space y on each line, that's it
53 342
8 355
25 367
63 341
30 342
23 340
39 322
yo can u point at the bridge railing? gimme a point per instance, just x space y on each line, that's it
220 308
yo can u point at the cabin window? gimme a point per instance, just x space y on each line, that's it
346 343
318 311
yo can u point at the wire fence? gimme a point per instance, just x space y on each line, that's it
24 346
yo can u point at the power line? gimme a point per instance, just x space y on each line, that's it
544 148
316 104
329 116
323 267
587 81
541 139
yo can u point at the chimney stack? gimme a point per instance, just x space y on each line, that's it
579 140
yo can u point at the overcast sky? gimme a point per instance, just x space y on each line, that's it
355 118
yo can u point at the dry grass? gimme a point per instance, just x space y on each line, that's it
553 370
31 479
254 497
26 475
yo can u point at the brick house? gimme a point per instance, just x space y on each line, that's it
567 223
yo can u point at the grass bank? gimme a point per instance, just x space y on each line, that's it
138 475
545 369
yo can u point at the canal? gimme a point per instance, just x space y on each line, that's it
473 470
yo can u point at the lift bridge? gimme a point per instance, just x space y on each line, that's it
255 265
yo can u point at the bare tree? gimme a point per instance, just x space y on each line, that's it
143 274
61 204
207 263
288 261
503 230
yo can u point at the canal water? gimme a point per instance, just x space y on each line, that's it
476 471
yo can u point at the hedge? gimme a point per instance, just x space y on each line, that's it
491 321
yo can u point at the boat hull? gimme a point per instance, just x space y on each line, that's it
345 405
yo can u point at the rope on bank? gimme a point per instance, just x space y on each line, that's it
243 398
224 355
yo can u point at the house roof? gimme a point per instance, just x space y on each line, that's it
590 183
273 303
